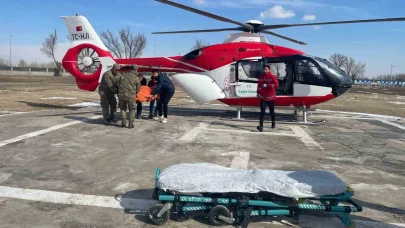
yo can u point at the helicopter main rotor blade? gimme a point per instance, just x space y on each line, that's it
210 15
284 37
196 31
265 27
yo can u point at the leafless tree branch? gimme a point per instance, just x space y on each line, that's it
199 44
127 45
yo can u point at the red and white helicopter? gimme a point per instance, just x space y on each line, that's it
226 72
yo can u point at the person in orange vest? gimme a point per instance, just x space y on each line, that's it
152 84
142 80
266 91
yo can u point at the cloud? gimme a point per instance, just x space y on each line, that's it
309 17
317 27
199 2
277 11
32 53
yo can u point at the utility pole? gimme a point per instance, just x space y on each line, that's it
10 51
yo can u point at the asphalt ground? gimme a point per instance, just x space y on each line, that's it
65 168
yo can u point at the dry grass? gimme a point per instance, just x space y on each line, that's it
26 94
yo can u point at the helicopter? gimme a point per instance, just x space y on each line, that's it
227 72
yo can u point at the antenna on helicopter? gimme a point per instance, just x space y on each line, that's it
254 26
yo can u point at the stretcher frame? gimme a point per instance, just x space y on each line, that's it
237 208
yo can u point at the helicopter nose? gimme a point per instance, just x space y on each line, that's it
340 90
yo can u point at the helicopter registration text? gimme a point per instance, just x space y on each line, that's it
80 36
246 89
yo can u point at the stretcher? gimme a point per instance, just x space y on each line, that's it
144 93
233 196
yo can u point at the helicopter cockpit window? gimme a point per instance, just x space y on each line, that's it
194 54
307 72
250 70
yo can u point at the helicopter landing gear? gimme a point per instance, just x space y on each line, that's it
304 117
304 120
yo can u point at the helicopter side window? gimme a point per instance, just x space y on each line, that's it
250 71
307 72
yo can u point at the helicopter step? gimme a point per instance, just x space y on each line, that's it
304 120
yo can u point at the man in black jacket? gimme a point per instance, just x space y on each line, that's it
166 90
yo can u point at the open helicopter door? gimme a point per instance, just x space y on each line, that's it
247 73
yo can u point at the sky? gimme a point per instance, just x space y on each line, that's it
376 44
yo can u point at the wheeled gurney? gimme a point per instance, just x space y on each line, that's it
232 196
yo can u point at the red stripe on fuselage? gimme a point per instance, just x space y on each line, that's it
212 57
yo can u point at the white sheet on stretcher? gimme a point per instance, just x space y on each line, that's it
212 178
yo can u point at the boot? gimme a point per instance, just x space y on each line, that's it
123 123
273 124
260 128
107 122
113 119
131 125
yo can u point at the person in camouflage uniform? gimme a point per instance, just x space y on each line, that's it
128 87
107 90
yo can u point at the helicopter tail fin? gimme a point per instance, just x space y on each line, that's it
87 58
81 31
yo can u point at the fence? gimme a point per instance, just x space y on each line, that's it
30 71
383 83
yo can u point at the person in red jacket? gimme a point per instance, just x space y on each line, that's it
266 91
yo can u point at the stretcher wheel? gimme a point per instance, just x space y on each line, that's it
215 212
153 211
181 216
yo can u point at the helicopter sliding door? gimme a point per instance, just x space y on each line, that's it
247 75
249 70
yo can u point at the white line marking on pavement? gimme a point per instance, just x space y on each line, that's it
43 131
190 135
253 132
75 199
393 124
240 160
305 138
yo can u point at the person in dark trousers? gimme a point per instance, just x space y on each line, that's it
166 90
152 84
142 80
266 91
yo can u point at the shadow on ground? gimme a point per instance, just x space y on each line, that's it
48 106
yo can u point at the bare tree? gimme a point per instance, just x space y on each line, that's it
338 60
3 62
22 63
126 45
49 48
199 44
358 70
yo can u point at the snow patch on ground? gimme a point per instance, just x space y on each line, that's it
85 104
360 114
8 113
397 102
401 97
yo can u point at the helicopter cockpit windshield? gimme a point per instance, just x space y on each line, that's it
335 74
